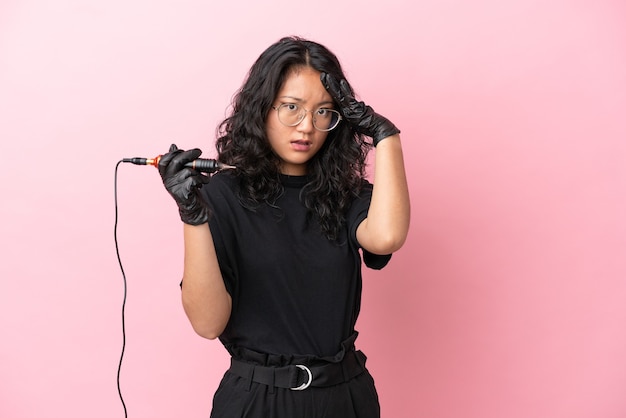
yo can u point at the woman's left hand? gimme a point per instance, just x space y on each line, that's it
362 117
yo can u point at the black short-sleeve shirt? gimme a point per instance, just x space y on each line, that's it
293 290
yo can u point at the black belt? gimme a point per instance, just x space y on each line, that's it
300 376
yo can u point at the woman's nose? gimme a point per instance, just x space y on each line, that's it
306 124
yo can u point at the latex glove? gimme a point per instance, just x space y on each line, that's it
362 117
183 184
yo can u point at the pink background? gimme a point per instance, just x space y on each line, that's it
509 297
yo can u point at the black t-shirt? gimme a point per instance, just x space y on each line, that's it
293 290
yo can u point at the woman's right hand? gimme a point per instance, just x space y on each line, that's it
183 184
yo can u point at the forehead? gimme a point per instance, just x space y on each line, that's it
304 84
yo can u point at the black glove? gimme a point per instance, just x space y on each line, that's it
362 117
183 183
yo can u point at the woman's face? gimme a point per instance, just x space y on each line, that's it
296 145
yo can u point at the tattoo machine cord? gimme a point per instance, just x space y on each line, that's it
201 164
119 260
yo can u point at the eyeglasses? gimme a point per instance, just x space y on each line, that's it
291 114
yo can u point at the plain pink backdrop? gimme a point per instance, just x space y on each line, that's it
507 300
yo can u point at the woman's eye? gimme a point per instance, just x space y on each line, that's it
291 107
322 112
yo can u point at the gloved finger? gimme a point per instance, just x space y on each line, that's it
179 159
180 185
341 92
346 92
185 157
194 178
165 159
333 88
183 183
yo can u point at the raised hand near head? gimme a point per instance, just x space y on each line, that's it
361 117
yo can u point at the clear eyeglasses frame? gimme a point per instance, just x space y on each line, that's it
324 119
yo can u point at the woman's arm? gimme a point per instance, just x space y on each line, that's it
386 226
387 223
205 299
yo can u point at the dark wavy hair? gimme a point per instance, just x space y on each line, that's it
335 174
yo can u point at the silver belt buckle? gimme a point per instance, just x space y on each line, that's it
310 375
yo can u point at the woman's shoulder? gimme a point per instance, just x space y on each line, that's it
223 183
365 189
225 178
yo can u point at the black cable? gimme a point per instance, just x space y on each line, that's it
119 260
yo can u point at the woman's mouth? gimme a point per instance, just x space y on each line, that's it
301 145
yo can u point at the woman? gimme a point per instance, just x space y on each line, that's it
273 248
